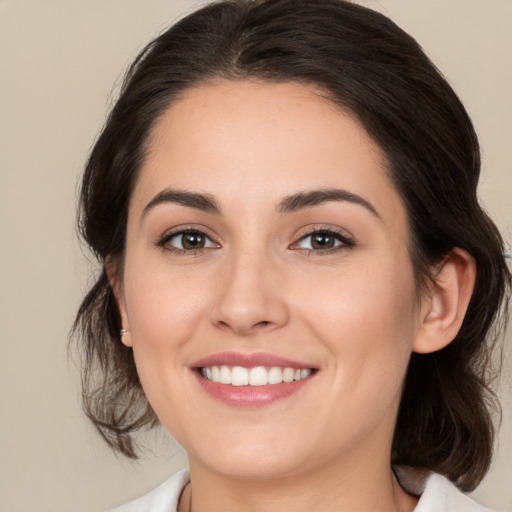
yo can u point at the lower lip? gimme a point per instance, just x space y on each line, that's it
250 396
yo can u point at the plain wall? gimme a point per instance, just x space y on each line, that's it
59 60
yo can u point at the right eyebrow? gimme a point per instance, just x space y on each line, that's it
203 202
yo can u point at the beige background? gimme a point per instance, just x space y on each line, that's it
59 60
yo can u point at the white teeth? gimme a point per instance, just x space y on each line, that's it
275 375
305 373
225 375
239 376
256 376
288 374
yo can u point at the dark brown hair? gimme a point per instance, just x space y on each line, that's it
370 67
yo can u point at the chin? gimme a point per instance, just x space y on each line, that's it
250 460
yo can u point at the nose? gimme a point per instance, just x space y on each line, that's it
250 296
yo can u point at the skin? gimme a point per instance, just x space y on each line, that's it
351 312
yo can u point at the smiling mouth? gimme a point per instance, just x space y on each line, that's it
255 376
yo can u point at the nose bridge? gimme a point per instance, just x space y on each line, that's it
249 297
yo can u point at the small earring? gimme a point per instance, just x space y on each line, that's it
122 332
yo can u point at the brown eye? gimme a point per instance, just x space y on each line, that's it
321 241
187 240
193 241
324 240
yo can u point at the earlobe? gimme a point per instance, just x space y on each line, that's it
114 277
444 308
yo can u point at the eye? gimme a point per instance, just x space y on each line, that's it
323 240
188 240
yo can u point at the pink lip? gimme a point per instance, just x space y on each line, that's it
247 360
249 396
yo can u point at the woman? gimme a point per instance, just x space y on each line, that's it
298 281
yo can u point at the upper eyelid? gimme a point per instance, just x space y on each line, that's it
300 235
319 228
347 240
189 229
163 241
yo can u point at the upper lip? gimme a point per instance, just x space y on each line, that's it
248 360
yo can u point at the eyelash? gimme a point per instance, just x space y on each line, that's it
164 242
345 242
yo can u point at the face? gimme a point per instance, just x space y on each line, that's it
267 247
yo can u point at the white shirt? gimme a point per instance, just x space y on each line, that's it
438 494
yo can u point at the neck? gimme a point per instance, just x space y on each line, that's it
333 487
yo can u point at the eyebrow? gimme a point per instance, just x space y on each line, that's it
308 199
292 203
203 202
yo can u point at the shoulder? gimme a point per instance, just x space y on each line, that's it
438 494
163 498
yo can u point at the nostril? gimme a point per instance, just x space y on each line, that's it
262 325
258 326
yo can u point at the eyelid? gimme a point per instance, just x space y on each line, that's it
184 229
346 239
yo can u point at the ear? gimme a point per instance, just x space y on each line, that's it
444 307
113 270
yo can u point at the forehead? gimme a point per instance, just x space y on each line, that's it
260 141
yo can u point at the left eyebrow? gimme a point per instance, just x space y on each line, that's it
312 198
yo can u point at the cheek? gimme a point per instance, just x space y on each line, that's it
367 317
162 304
164 307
